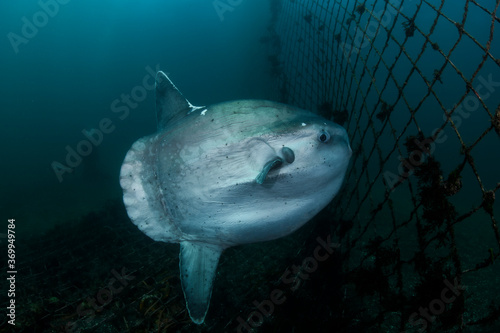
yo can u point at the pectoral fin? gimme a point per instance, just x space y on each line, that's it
198 263
263 158
274 163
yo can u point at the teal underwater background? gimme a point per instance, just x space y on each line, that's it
65 78
71 69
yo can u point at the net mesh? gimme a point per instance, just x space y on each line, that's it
415 231
415 83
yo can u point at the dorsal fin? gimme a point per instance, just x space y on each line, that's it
170 104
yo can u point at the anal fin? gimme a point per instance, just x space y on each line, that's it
198 264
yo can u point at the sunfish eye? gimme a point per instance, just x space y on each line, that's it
323 136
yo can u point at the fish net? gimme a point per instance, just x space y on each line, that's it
417 86
410 244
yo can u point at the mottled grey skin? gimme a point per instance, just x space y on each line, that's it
232 173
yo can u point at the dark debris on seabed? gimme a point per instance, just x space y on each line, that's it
101 274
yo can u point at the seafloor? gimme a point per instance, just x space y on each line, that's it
101 274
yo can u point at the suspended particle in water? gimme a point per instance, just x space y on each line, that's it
326 109
453 184
437 75
488 201
361 9
410 27
340 116
496 120
385 111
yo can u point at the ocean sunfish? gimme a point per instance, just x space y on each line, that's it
228 174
